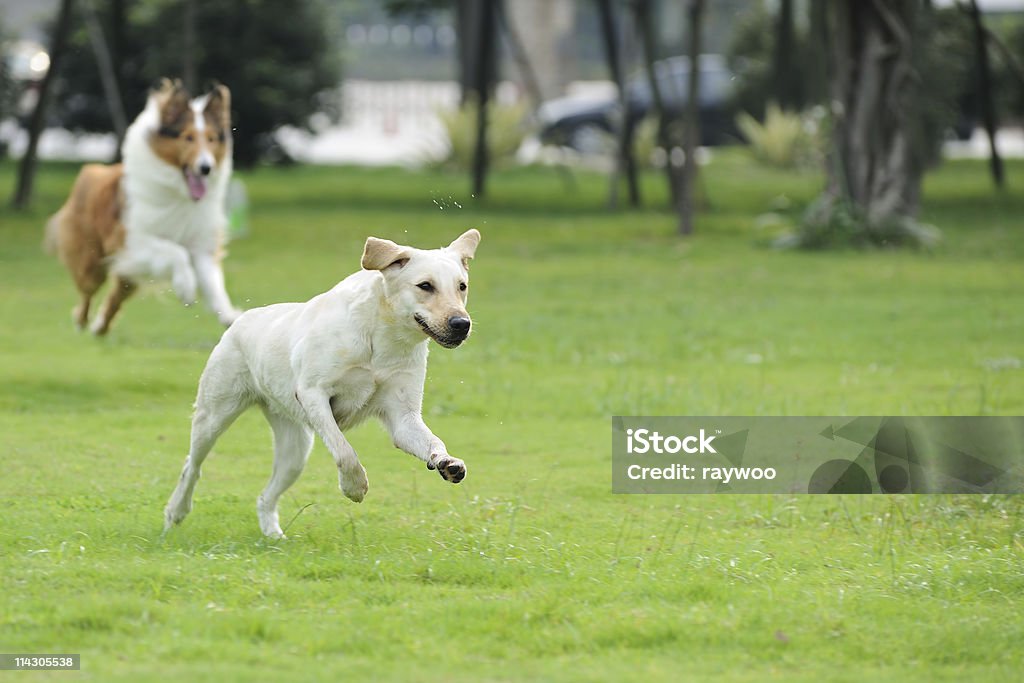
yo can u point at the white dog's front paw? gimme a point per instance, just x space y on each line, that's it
451 469
184 283
353 483
229 316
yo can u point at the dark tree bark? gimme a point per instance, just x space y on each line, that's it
484 81
874 164
189 39
645 24
817 52
518 54
27 167
105 67
985 94
625 162
465 33
784 72
691 118
118 23
474 18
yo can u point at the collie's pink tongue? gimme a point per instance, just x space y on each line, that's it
196 185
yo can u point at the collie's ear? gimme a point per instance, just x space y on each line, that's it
173 101
165 86
379 254
465 245
218 106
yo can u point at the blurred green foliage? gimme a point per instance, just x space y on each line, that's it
783 139
946 67
279 57
506 130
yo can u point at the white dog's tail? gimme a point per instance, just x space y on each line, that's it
52 234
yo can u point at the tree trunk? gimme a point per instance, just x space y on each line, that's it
691 135
518 54
189 39
645 22
817 53
475 32
484 80
27 167
874 167
784 72
985 94
624 159
105 66
118 22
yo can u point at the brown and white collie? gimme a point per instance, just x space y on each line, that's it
159 215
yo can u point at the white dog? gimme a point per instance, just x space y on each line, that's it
323 366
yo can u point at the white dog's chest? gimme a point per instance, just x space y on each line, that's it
357 394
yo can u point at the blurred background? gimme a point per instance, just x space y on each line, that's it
382 81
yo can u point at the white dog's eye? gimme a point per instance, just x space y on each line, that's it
462 286
426 286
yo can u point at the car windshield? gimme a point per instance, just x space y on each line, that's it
674 78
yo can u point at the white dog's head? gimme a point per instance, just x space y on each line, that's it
427 289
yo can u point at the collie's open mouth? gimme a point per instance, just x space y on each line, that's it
445 341
196 184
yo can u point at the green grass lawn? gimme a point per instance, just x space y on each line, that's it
531 569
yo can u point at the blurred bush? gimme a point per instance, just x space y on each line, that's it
506 129
279 57
830 223
646 150
784 139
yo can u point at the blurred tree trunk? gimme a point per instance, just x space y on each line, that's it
875 166
471 22
666 130
817 52
105 68
189 39
985 94
625 162
785 75
27 167
518 54
483 82
691 120
118 22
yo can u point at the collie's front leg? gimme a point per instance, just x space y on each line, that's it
211 284
145 257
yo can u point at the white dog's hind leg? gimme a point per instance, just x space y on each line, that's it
351 474
211 283
222 397
292 443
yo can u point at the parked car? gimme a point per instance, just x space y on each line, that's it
584 123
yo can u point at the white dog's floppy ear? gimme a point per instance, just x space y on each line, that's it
378 254
465 245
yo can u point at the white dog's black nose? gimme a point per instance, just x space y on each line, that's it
205 168
459 324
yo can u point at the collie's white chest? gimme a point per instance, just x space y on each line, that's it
179 220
